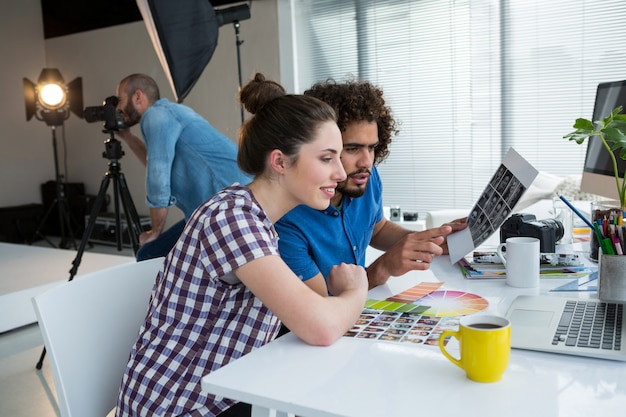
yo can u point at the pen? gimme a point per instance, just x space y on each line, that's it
604 242
617 244
600 226
578 213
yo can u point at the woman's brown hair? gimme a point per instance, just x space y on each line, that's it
280 121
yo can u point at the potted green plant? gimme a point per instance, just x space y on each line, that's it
612 131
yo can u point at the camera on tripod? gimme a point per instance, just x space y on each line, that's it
548 231
106 113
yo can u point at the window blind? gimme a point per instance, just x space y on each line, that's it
466 80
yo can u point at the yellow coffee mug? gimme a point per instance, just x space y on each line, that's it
485 346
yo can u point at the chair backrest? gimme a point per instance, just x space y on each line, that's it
89 325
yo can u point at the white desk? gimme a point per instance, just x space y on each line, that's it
26 271
360 378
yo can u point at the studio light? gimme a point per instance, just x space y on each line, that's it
51 100
52 96
232 14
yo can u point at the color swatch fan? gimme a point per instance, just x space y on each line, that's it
452 303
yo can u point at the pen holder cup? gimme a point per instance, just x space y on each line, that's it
601 210
612 278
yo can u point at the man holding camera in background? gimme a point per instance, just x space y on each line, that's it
187 159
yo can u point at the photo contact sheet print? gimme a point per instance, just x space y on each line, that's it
417 315
506 187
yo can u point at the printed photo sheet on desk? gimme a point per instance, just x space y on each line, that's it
417 315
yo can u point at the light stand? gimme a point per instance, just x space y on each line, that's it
235 15
51 101
238 44
61 204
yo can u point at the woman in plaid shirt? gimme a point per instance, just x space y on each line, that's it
224 289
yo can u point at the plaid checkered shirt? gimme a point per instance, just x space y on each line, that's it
200 316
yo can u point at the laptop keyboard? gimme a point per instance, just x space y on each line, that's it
592 324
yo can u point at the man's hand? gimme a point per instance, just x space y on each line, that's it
458 224
157 221
346 277
415 251
147 236
136 145
124 134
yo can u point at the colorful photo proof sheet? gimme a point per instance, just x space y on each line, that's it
418 315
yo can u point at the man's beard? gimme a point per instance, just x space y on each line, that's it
355 191
132 116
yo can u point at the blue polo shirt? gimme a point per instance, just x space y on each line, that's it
312 241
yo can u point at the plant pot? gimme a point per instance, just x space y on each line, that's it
601 210
612 278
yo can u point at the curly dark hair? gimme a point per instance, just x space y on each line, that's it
356 101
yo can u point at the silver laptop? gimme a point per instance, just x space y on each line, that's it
570 326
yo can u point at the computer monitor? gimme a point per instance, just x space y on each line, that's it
598 175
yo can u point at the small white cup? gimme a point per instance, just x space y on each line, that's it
521 260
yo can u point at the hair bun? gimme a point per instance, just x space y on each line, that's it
258 92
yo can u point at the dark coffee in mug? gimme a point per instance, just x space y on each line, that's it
484 326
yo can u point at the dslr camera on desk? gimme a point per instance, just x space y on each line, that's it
548 231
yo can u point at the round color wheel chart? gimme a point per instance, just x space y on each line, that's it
445 303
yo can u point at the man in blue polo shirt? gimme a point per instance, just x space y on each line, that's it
312 241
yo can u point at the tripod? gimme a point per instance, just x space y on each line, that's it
113 152
60 202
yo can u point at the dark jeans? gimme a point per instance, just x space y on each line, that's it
162 245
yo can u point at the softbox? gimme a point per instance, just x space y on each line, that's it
184 35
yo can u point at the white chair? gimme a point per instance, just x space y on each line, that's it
89 325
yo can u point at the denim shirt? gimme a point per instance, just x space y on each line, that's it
188 159
313 241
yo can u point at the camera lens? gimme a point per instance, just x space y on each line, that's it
93 114
555 224
106 113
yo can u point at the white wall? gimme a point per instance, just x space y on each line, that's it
102 57
25 148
